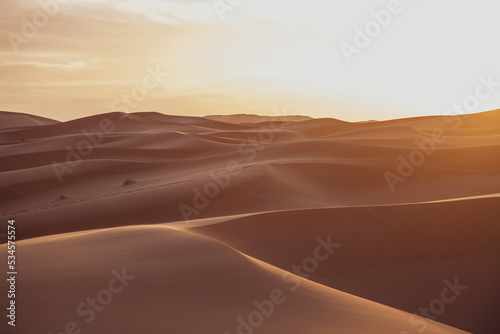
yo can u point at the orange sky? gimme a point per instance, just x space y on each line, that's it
88 56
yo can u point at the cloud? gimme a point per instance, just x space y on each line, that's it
92 50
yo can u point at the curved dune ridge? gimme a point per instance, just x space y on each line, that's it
250 224
182 283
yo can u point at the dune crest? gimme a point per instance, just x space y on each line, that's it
210 213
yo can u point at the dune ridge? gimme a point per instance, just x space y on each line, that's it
211 212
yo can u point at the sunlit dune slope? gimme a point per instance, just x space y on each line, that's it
144 166
156 280
396 255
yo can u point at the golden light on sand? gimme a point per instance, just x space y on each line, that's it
250 166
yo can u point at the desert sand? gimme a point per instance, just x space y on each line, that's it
210 217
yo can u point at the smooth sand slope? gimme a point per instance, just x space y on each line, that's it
396 255
177 282
248 197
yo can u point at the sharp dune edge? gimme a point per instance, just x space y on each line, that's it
123 205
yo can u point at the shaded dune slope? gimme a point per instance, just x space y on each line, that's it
150 164
396 255
243 198
182 284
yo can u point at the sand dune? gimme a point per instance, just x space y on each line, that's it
15 121
210 212
386 249
181 283
249 119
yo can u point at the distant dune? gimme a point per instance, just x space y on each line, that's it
12 121
209 214
245 118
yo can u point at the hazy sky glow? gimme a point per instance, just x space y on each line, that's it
265 54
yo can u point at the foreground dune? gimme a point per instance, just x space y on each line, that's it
396 255
176 282
209 213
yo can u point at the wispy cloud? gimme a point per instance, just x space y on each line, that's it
91 49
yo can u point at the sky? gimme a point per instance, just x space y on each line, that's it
352 60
